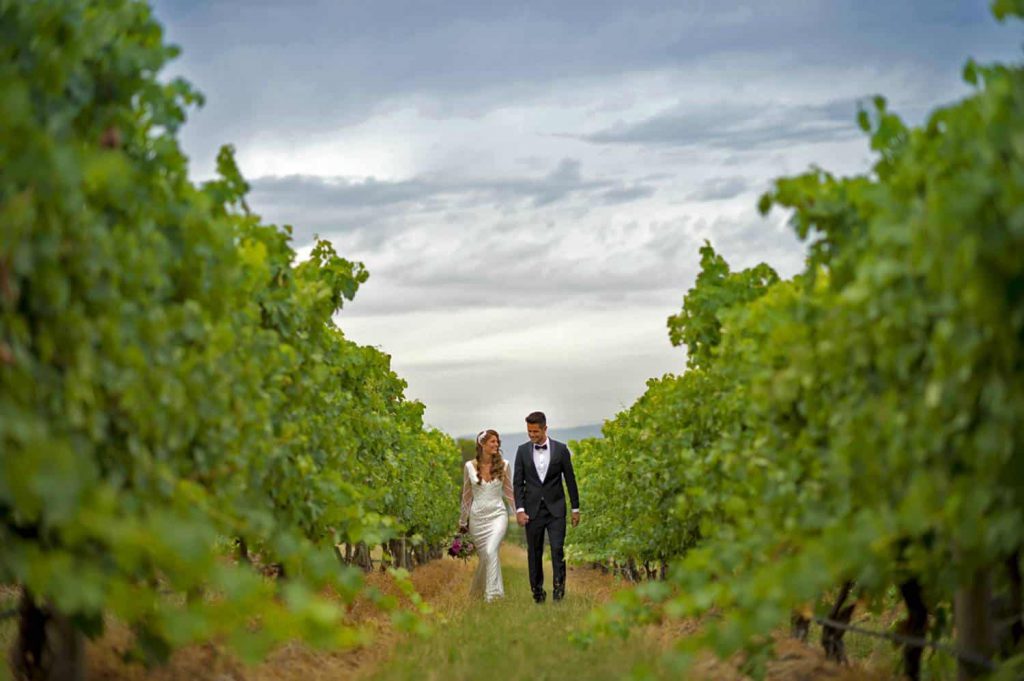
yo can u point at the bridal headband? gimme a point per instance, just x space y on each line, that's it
481 437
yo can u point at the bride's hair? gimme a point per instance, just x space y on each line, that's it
497 472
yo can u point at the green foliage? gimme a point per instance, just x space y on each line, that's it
863 421
698 325
1006 8
169 375
467 447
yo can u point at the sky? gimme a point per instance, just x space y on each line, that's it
529 183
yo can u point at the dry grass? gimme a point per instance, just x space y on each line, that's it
440 584
793 660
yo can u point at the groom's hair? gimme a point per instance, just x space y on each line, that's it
537 418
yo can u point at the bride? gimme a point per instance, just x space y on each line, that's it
486 487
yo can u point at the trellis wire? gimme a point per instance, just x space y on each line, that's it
963 655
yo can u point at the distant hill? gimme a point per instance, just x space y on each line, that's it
577 433
560 434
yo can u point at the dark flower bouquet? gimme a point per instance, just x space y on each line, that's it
461 547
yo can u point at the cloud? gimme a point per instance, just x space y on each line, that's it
487 367
598 264
283 72
534 179
737 127
718 188
340 193
624 194
343 204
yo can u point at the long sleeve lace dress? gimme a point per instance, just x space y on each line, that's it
483 508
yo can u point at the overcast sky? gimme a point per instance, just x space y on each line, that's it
528 183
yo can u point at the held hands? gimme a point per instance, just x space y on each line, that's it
522 518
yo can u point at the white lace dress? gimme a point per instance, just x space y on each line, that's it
483 509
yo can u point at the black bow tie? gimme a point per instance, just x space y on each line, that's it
536 447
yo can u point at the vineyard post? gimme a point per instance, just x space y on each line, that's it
974 631
342 559
1016 598
362 557
243 551
799 626
916 626
48 646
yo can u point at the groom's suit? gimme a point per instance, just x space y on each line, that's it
544 503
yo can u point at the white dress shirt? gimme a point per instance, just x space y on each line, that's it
542 458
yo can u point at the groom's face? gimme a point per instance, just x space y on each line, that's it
536 433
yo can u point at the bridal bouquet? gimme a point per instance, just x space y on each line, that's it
461 548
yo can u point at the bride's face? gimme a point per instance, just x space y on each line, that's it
490 446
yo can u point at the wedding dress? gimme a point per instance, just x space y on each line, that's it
483 508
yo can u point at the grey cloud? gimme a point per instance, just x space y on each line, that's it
438 242
643 262
719 188
627 194
308 190
342 204
736 127
296 68
551 235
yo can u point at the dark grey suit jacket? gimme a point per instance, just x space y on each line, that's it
530 490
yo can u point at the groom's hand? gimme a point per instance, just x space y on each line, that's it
522 518
575 518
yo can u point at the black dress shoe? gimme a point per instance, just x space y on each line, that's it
540 596
558 592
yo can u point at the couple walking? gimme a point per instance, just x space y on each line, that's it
537 494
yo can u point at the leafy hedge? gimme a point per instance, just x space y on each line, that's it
170 375
861 424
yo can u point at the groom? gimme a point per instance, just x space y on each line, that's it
541 464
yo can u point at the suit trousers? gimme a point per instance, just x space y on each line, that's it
535 529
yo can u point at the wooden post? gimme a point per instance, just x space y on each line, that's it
243 551
1013 573
974 630
339 555
799 626
916 625
48 646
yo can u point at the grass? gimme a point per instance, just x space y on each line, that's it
515 639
